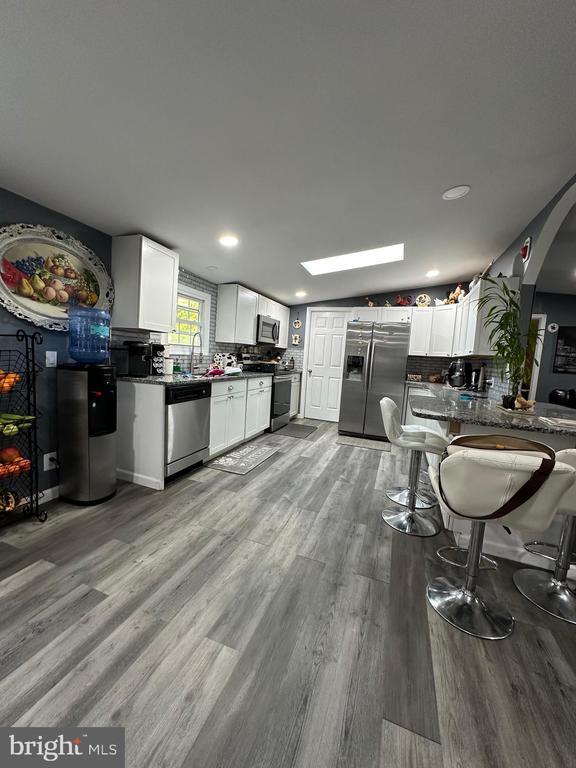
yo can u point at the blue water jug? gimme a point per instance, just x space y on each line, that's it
89 335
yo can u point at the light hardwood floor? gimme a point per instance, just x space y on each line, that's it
272 620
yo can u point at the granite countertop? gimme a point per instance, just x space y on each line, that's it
445 405
425 384
185 378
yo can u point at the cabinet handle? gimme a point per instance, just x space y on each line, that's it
230 388
261 382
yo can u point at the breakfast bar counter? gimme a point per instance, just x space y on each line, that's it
445 405
554 425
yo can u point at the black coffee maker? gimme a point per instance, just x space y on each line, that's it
460 373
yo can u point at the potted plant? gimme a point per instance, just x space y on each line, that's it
510 345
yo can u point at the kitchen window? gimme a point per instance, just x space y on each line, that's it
192 316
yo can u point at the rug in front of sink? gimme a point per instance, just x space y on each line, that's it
244 459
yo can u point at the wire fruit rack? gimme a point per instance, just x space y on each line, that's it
19 453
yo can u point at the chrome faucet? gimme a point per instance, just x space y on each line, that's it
200 354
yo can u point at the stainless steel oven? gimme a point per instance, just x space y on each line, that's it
187 425
268 330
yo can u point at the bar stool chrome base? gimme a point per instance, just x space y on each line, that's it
400 495
458 556
551 595
473 612
412 522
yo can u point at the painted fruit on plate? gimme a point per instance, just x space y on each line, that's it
46 275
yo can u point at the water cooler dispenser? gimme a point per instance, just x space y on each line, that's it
87 432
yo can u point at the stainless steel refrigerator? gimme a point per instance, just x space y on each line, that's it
374 367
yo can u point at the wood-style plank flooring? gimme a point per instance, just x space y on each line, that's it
270 621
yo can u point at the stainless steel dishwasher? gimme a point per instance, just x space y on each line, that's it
187 425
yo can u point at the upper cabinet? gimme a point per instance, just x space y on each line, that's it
454 330
382 314
236 314
421 331
442 331
284 318
145 278
395 314
366 314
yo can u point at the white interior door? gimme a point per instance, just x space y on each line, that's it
326 342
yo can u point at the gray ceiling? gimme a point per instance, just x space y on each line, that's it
558 273
311 128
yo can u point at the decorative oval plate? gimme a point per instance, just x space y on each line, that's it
45 271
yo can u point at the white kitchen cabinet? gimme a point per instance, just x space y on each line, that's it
258 408
442 332
295 395
227 420
265 306
284 319
218 423
420 331
236 427
395 314
366 314
236 314
145 276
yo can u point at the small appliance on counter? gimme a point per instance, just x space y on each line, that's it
136 359
87 432
460 374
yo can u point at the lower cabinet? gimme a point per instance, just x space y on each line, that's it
239 410
257 410
227 419
295 395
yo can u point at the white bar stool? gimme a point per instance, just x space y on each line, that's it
551 591
475 482
417 439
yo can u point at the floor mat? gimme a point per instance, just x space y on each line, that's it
301 431
363 442
244 459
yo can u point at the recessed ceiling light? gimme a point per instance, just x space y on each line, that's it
356 260
456 192
433 273
300 294
212 268
229 240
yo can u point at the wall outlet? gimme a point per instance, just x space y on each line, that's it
50 460
51 359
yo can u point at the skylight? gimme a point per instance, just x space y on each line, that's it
370 258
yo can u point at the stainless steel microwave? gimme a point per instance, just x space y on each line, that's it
268 330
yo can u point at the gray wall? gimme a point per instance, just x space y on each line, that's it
559 308
13 210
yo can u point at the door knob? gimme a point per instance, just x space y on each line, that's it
309 371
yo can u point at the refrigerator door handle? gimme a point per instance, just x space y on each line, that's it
370 366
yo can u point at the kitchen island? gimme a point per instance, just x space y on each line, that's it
483 416
446 405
